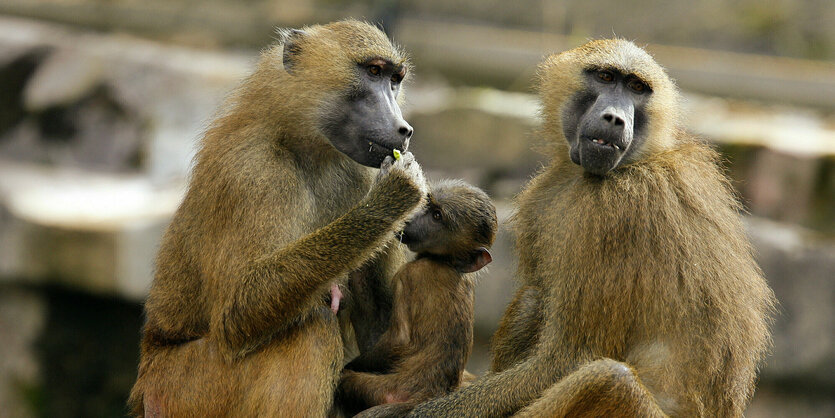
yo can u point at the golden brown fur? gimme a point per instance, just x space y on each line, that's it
429 339
638 292
422 354
237 317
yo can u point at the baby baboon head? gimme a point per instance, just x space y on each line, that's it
459 224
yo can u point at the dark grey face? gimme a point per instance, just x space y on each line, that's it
427 232
366 123
605 123
456 227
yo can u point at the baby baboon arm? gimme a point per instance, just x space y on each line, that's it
293 275
519 329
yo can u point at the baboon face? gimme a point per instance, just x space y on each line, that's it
605 122
367 125
429 232
351 74
459 221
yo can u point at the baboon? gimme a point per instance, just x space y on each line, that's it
283 204
422 354
638 293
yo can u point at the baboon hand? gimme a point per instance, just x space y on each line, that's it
385 167
408 167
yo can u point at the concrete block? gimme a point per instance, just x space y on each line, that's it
88 231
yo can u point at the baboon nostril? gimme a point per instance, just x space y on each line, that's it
617 121
406 131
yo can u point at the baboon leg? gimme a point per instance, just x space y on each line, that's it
358 390
602 388
288 378
194 379
185 380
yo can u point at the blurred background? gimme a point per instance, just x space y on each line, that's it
102 102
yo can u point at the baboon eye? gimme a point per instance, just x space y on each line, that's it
436 215
397 77
375 69
637 86
606 76
395 81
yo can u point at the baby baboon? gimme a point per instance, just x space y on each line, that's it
422 354
639 296
282 209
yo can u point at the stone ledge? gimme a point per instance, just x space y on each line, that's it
89 231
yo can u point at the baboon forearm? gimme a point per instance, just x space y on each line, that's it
293 276
398 409
518 332
497 394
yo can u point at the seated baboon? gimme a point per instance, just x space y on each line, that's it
638 293
245 316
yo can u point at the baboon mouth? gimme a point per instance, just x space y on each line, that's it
604 143
374 146
376 152
402 237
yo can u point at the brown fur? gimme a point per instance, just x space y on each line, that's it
423 352
237 317
651 302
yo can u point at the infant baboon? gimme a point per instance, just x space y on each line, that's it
423 352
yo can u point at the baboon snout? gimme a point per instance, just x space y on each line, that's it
613 117
404 129
617 120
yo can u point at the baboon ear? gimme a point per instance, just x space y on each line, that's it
292 49
480 258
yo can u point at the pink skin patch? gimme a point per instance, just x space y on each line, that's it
153 406
336 297
394 397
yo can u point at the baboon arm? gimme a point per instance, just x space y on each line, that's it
495 394
389 348
279 288
398 409
379 359
518 331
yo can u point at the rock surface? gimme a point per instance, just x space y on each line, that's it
96 137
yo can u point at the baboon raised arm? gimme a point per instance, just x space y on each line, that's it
638 292
285 203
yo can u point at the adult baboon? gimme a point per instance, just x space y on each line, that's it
639 295
282 205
